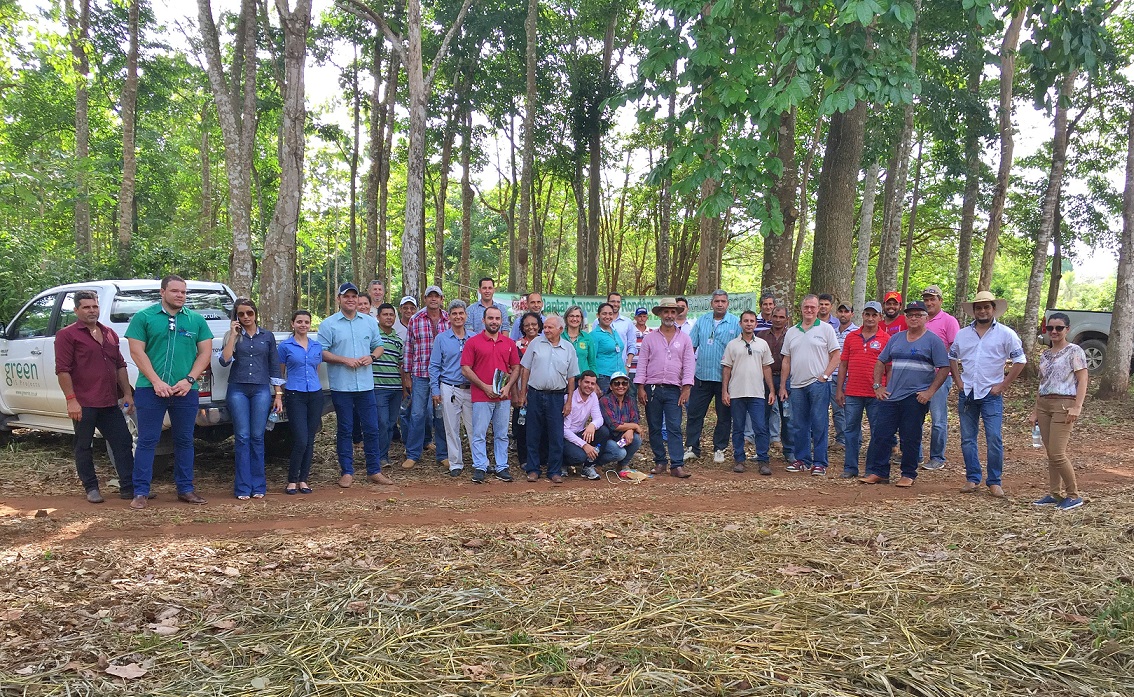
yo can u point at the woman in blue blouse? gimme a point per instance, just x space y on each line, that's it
253 377
610 347
301 356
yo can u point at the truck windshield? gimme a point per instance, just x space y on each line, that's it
212 304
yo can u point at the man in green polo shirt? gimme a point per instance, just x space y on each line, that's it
171 345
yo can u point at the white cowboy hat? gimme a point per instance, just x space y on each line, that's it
1000 305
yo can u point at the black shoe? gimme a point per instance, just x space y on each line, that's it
848 475
504 475
129 495
455 473
478 476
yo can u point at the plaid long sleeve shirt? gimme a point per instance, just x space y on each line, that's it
419 341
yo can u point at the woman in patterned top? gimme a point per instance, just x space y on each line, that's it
531 326
1062 389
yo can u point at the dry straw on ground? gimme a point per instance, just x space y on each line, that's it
939 598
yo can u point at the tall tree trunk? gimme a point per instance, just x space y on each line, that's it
709 226
393 73
779 250
912 223
207 222
1115 373
278 284
356 270
442 193
804 205
972 182
1048 209
1056 259
238 88
663 283
834 206
865 233
594 211
466 196
1000 194
374 170
581 243
129 160
531 27
78 25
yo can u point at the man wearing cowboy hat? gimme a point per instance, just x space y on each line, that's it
665 378
977 359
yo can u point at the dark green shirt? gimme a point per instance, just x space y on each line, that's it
171 341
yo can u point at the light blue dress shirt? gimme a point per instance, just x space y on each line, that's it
350 338
445 361
710 337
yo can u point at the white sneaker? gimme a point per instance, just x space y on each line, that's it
688 455
718 456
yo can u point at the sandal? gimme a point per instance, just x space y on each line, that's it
243 498
257 496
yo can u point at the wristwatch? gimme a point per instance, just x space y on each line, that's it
191 380
826 377
877 385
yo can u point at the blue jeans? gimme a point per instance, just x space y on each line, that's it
497 414
575 455
249 405
905 418
662 403
778 416
389 405
751 410
704 392
809 407
545 425
990 409
837 413
151 411
421 417
624 455
111 423
853 429
939 417
350 406
304 418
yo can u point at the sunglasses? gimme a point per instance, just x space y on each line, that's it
246 313
1055 328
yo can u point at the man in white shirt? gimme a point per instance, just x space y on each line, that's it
977 359
683 322
746 377
811 354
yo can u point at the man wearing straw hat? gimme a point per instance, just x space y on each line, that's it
664 379
977 359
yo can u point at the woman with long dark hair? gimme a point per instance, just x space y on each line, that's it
1062 390
255 389
301 355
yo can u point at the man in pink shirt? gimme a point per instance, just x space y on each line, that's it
664 379
588 439
945 326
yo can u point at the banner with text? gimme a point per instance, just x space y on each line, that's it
558 304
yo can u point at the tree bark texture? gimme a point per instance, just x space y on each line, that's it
1115 373
1048 210
972 186
779 250
1007 143
442 193
356 251
78 25
834 207
865 233
128 111
1056 259
663 283
278 281
523 231
912 224
374 169
466 197
393 74
709 230
238 128
804 203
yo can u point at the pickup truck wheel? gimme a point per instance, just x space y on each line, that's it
1095 351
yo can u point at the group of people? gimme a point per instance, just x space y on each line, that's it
564 393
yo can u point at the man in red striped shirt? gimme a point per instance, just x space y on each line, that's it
855 392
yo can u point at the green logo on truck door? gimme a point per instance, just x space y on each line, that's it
20 373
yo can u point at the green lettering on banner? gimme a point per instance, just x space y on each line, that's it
558 304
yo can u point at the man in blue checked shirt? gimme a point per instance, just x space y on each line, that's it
475 312
711 333
351 341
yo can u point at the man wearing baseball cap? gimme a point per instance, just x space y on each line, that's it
423 328
908 373
893 320
855 391
945 326
407 306
977 359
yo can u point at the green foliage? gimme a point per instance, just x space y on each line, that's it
1116 619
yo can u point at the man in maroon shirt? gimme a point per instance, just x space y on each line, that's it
93 377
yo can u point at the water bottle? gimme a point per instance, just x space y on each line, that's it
125 408
523 417
273 419
437 411
1037 439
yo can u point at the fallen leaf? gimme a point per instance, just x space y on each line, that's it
732 527
130 671
11 614
26 670
259 683
357 607
166 630
474 543
224 624
168 613
231 571
475 672
795 570
610 535
1072 617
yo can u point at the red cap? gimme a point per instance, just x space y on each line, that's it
893 295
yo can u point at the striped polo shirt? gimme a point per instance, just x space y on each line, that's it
387 369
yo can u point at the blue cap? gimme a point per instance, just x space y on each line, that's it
347 287
916 306
872 305
641 311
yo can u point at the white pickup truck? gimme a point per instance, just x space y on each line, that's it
29 391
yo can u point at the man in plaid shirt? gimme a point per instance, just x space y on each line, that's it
423 328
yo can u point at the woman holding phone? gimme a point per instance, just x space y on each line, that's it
255 389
